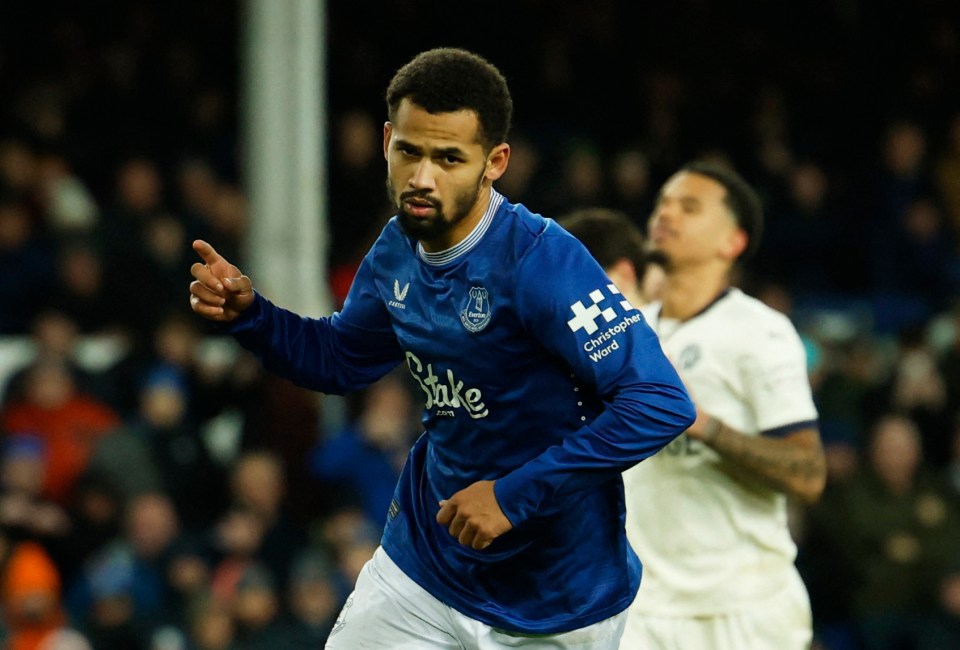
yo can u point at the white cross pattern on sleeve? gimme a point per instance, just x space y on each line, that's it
585 318
623 303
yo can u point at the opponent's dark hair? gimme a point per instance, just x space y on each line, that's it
448 79
741 198
608 235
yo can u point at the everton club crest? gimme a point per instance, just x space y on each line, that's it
476 314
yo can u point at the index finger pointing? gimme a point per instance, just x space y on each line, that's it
206 251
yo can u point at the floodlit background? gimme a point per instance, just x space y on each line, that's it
158 490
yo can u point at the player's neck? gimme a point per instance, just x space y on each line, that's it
462 229
688 292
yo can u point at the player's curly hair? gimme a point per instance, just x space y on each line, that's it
447 79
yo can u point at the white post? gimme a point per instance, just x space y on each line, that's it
284 134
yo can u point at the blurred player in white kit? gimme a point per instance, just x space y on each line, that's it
708 514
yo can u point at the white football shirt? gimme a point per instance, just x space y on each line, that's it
711 539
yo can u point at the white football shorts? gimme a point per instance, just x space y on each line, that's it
783 622
389 611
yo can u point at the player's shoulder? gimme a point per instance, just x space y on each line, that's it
523 224
392 233
755 322
393 241
752 312
526 233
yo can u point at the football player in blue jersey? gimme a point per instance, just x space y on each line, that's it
541 385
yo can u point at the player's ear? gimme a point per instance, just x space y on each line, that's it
736 244
387 130
497 161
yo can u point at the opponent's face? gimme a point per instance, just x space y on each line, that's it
692 224
438 172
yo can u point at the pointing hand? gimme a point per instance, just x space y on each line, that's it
219 291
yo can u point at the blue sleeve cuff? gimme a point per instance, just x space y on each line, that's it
248 319
787 429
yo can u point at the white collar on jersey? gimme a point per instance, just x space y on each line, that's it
667 327
471 240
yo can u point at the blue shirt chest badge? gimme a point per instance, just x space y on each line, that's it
476 313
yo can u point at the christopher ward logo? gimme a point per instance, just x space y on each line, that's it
605 342
399 294
586 318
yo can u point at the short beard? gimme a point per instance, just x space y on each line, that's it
431 229
659 258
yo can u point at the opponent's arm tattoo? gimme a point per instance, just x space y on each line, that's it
794 464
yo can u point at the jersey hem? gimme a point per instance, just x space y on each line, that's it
508 625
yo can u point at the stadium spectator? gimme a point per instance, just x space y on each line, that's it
258 483
24 512
256 609
368 454
27 268
212 626
312 602
55 337
901 537
30 594
67 420
631 184
178 458
81 290
947 176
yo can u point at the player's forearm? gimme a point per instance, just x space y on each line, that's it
635 425
322 354
794 465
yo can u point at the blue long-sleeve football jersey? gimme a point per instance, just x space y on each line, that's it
535 373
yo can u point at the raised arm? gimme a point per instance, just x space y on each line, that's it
345 351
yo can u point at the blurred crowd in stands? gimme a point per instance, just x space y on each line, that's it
158 491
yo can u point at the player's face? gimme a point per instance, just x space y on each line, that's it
438 172
692 224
